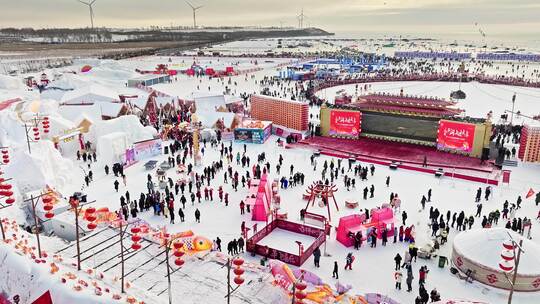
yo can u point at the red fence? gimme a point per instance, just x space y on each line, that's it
289 258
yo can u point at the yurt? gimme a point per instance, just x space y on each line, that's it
481 251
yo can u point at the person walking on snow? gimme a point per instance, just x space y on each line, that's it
398 275
348 261
335 273
197 216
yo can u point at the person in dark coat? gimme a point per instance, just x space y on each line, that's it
116 184
197 216
218 243
317 257
335 273
398 259
240 244
181 214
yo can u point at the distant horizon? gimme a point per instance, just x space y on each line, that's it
391 17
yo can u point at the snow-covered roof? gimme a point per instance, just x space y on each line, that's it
484 247
90 94
110 109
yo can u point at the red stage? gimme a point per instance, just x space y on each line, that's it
408 156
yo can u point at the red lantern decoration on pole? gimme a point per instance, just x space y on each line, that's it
5 156
91 218
10 201
238 271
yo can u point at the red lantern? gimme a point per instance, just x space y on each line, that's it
91 210
35 129
47 207
36 138
6 161
178 245
1 178
135 238
46 131
91 218
506 266
238 280
4 151
135 230
91 226
5 187
238 262
507 255
300 295
45 119
36 133
5 156
6 193
10 201
301 285
509 245
178 253
136 246
238 271
179 262
49 215
46 199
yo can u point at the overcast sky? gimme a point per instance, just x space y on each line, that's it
496 17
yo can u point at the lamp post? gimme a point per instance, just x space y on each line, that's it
513 104
5 194
5 189
47 206
33 125
90 216
168 242
298 294
238 279
510 262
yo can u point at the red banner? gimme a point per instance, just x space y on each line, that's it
455 136
345 123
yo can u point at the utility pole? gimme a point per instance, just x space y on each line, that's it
513 105
514 277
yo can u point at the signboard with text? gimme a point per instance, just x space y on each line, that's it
453 135
345 123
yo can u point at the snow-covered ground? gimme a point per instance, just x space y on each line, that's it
202 280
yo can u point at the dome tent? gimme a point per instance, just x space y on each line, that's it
479 250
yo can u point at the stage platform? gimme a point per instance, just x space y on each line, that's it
407 156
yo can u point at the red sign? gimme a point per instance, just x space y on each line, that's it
506 176
455 136
345 123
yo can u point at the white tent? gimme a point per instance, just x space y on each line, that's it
90 94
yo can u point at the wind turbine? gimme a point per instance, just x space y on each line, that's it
91 10
301 19
194 8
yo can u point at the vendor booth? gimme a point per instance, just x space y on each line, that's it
253 131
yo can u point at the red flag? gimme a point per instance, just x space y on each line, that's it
44 299
530 193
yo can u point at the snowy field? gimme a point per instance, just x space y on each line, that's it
373 269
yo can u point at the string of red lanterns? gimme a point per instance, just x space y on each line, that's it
508 258
91 218
5 156
135 237
238 271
